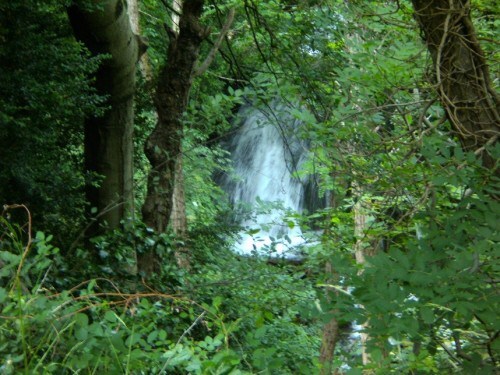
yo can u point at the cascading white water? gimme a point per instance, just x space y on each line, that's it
266 152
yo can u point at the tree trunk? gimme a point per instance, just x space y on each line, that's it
360 253
328 343
178 217
461 73
144 65
108 146
330 333
364 248
164 144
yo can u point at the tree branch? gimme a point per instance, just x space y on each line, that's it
211 55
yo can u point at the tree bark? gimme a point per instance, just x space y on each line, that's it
164 144
461 74
144 65
178 215
108 145
330 333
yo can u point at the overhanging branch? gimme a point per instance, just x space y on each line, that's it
211 55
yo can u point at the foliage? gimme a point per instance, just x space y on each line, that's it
436 296
96 326
265 310
44 94
358 77
429 208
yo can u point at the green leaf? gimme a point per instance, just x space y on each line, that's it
3 294
110 316
81 333
427 314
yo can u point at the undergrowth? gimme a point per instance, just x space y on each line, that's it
234 316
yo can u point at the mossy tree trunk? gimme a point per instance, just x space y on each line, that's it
105 29
164 144
461 74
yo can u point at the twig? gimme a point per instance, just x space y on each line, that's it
182 336
28 245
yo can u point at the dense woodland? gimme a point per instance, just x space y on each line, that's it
117 239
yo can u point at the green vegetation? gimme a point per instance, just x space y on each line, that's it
402 274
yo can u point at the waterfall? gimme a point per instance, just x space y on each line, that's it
266 153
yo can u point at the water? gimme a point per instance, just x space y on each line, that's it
266 153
